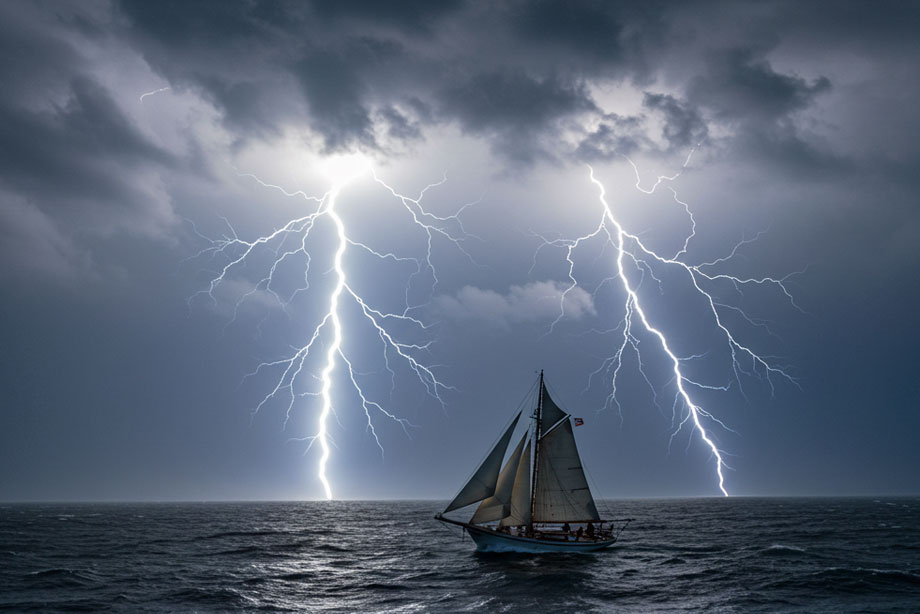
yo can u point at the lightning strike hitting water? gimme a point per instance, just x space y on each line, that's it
335 346
633 259
294 370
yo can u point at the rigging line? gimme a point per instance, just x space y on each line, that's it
524 400
448 529
594 487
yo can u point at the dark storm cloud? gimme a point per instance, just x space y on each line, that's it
525 77
69 157
885 24
246 108
71 150
515 73
684 125
223 51
739 85
336 90
267 65
75 169
31 59
399 127
740 89
498 101
355 63
514 109
592 35
614 135
417 16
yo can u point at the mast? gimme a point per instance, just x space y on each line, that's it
536 449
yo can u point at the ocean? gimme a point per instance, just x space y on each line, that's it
679 555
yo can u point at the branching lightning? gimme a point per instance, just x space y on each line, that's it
633 261
291 241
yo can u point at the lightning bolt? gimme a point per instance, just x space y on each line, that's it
151 93
336 346
633 261
291 241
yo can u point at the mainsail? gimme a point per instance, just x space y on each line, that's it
561 492
483 482
498 505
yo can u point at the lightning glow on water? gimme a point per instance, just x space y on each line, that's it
294 373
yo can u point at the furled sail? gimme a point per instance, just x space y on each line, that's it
551 413
519 508
562 492
498 505
483 482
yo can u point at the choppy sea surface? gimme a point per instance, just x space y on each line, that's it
680 555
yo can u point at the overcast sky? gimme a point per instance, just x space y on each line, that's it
133 134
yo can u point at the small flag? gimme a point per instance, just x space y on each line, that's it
579 421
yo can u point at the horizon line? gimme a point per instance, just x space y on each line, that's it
433 499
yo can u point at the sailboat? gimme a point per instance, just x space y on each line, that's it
538 504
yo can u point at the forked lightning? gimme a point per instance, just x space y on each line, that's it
631 262
290 241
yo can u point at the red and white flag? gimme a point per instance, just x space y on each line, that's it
579 421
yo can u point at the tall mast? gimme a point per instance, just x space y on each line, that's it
536 449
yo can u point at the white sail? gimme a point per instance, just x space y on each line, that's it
562 492
497 506
550 414
483 482
519 508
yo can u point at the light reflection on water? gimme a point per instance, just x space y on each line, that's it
733 555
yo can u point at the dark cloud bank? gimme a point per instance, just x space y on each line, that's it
515 73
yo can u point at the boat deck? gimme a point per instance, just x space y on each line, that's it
556 534
543 539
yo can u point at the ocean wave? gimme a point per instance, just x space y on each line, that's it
331 548
727 555
386 587
59 577
783 550
223 597
225 534
234 551
854 580
298 576
894 574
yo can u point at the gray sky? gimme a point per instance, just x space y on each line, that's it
131 132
